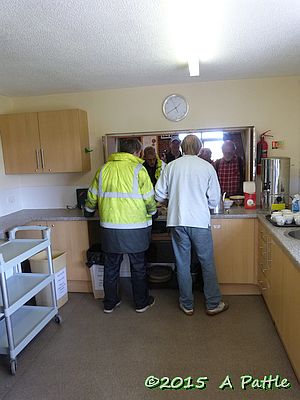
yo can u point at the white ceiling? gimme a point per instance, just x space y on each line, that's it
55 46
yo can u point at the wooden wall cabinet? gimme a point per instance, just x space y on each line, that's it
71 237
45 142
234 241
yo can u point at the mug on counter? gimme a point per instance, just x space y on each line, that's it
280 220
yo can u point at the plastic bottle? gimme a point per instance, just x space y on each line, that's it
296 203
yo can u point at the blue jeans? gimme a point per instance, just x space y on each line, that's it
183 238
112 263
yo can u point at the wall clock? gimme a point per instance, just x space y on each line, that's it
175 107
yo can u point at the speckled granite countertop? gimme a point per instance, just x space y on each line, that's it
24 216
292 246
62 214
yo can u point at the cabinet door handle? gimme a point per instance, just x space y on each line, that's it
42 157
217 226
37 159
261 285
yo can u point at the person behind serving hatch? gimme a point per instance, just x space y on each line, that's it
153 164
123 193
174 151
230 169
192 187
205 154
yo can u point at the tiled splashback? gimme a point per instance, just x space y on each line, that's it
15 199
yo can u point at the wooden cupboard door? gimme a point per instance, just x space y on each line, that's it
60 141
291 312
263 284
276 279
234 241
72 237
264 261
20 143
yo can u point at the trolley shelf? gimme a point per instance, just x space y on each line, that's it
17 250
27 323
22 287
20 323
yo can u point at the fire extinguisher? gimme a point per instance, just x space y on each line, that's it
262 150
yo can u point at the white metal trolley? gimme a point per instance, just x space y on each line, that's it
20 323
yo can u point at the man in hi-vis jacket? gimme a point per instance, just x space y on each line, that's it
123 193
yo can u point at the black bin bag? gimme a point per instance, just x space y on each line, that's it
95 255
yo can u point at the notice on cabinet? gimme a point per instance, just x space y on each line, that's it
61 283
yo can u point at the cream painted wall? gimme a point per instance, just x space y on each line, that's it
271 103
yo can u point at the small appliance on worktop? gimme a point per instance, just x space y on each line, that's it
81 195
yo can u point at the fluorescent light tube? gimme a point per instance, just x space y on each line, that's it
194 66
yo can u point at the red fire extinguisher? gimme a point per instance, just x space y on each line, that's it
262 150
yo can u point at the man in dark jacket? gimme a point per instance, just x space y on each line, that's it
174 151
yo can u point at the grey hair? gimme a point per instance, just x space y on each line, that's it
229 143
130 146
191 145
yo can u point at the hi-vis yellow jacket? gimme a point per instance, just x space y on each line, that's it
124 193
159 166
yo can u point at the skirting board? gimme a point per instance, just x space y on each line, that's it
239 289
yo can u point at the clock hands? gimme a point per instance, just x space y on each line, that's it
175 108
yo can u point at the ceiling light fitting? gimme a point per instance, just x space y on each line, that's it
194 66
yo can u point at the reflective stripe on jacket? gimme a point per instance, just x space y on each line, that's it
159 166
124 193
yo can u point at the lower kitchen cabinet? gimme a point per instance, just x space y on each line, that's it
275 277
279 281
234 243
72 237
270 273
290 332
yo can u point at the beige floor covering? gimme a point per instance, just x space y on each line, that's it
108 357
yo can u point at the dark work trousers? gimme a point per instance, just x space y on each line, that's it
139 283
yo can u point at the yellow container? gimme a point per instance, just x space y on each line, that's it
278 207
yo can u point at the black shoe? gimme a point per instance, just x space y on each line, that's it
110 310
150 304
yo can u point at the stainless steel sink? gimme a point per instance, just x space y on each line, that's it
295 234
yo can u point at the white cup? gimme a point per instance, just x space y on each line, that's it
279 220
297 220
286 210
288 218
275 214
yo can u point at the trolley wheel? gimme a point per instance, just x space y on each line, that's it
58 319
13 367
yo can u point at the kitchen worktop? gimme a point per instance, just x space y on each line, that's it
62 214
291 246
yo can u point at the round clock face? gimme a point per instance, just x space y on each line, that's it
175 107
